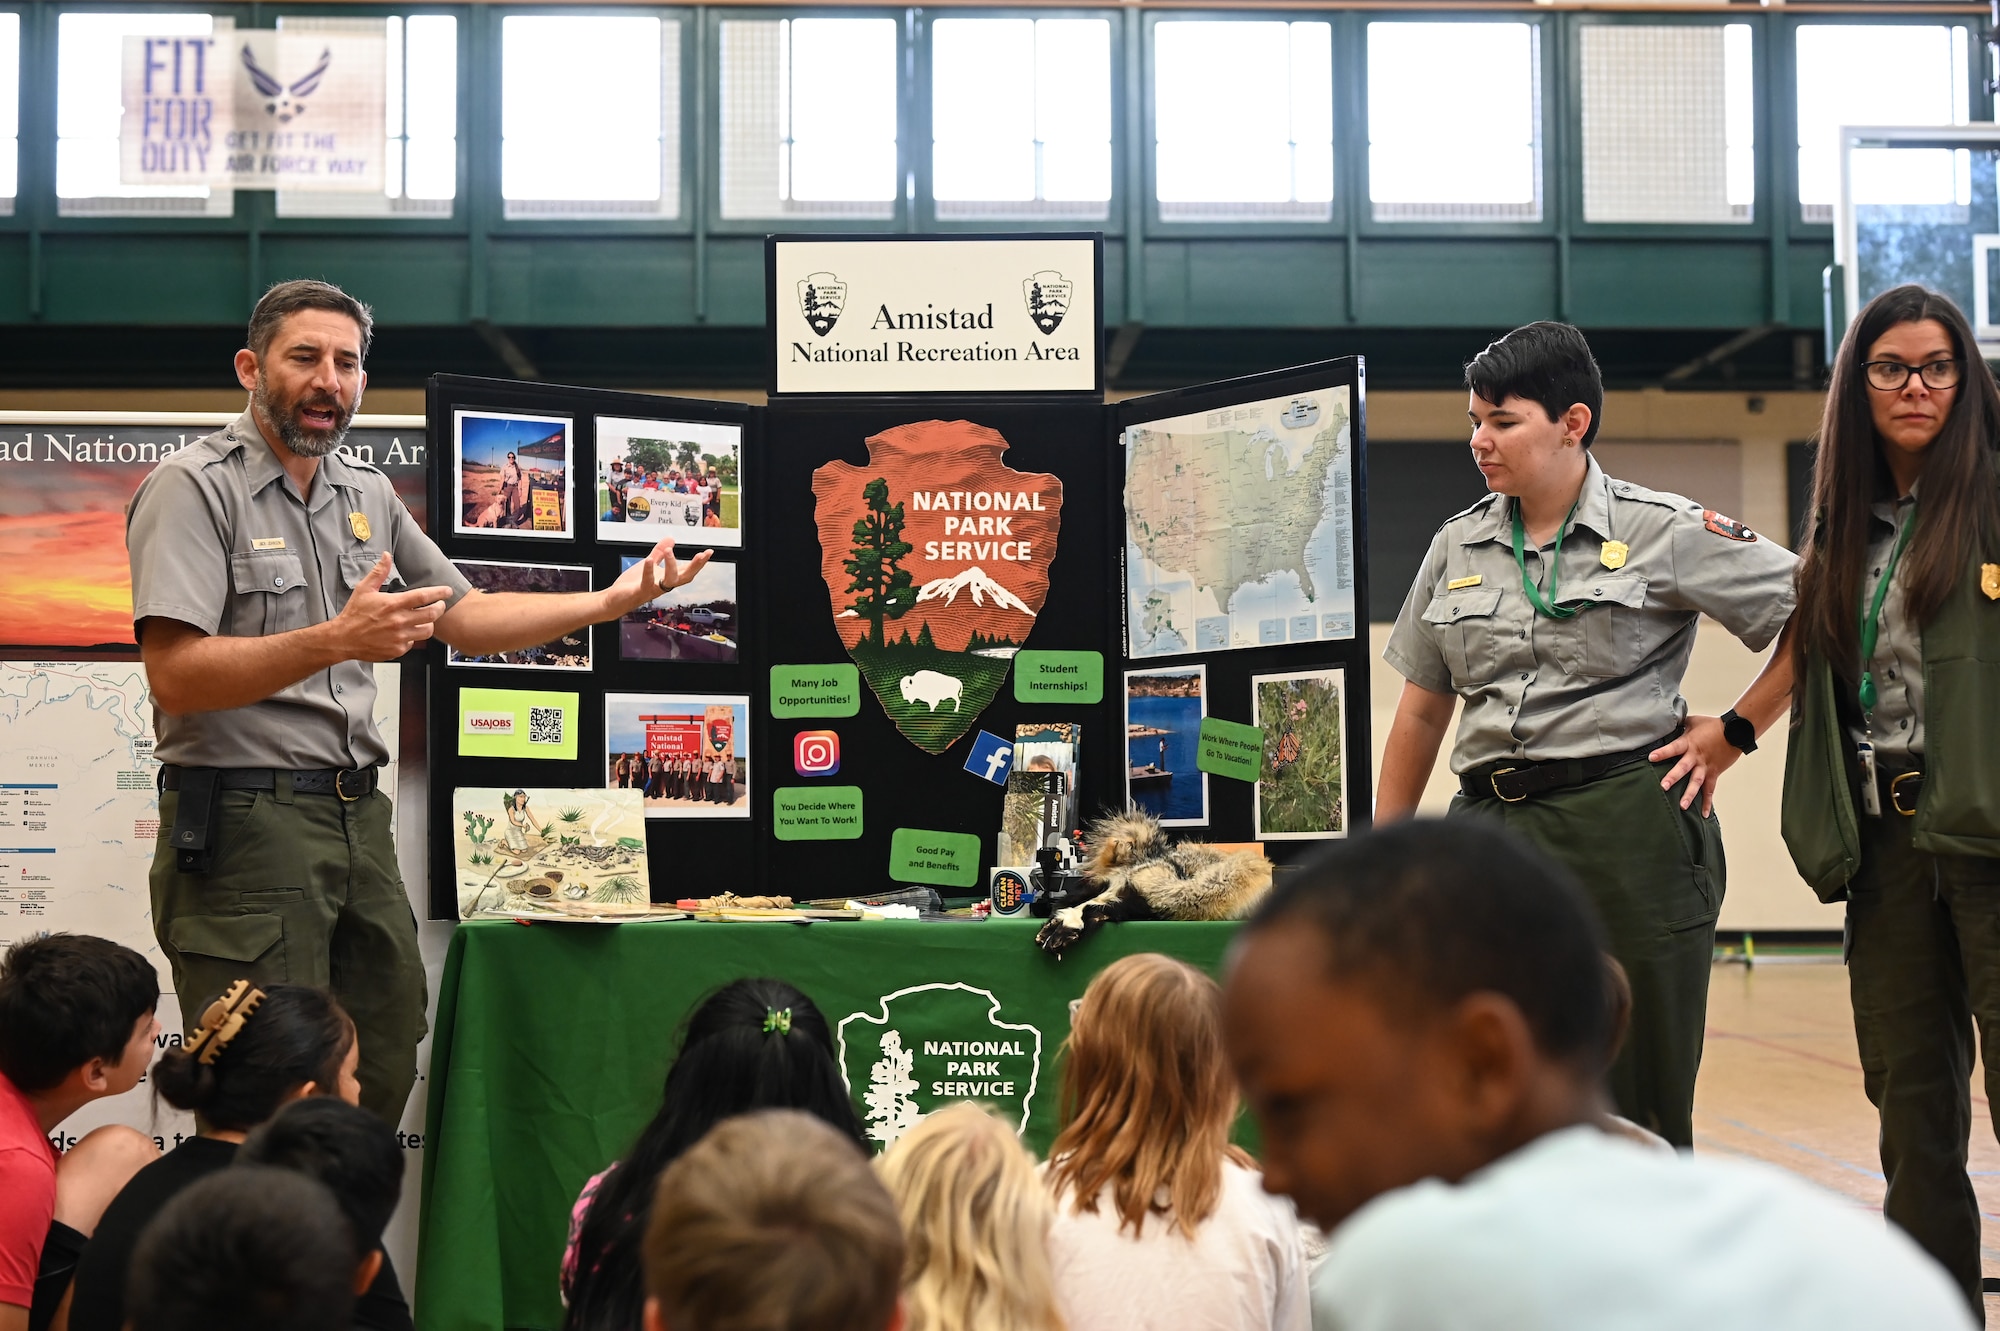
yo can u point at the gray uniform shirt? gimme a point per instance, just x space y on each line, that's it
1607 680
220 539
1898 663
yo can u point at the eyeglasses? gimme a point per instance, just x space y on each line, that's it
1891 375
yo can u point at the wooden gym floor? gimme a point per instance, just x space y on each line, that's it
1781 1082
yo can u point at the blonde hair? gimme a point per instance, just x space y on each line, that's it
975 1224
1147 1096
773 1222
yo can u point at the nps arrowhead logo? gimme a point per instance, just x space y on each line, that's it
1048 294
822 297
936 558
930 1045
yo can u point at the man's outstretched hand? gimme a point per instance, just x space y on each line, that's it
657 573
382 626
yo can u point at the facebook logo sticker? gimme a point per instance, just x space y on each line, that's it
991 757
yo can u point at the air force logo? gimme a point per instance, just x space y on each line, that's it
822 297
1047 294
282 101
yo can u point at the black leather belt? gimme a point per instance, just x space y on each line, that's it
1512 782
1900 788
349 785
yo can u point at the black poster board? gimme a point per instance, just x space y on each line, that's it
702 855
787 618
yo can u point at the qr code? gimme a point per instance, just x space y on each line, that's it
545 725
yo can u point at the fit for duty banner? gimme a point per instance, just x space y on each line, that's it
302 108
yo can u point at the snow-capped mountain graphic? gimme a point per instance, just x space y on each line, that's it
979 584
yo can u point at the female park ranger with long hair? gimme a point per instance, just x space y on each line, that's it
1892 780
1562 609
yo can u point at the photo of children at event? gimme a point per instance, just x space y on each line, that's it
696 621
513 474
669 474
681 751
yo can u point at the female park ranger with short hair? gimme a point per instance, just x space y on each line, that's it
1561 608
1892 778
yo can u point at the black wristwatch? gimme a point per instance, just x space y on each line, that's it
1738 731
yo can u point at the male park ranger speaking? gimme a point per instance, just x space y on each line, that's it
260 558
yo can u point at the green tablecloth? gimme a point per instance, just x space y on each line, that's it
552 1043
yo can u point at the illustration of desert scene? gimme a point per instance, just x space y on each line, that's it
936 557
559 853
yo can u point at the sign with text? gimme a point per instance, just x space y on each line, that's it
948 859
815 690
299 109
1062 677
940 314
816 813
1228 748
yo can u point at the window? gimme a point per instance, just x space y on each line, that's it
590 116
809 118
1021 117
10 111
1454 122
1843 80
1243 120
420 119
90 52
1669 123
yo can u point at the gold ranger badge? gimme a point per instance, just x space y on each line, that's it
1613 554
1989 581
358 524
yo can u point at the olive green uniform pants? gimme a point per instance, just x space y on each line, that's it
303 889
1923 965
1655 872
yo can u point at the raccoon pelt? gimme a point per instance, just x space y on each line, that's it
1148 877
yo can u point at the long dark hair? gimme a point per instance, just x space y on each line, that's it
729 1064
296 1034
1960 513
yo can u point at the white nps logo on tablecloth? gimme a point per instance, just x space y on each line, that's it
930 1045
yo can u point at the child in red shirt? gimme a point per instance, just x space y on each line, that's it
76 1025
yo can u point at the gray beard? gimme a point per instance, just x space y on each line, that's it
303 443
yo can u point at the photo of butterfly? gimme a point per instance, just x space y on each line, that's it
1301 788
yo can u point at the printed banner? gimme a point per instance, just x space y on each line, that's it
298 109
947 315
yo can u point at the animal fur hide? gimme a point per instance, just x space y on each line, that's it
1148 877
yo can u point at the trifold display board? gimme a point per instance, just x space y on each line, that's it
938 626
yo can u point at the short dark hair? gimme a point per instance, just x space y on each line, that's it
245 1249
296 1034
66 999
1546 363
285 299
1440 909
774 1219
348 1149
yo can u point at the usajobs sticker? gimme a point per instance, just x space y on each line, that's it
1989 581
1613 554
358 524
1729 527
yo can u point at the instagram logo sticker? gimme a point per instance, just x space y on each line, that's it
816 753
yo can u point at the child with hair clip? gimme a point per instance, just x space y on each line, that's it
752 1044
976 1225
253 1052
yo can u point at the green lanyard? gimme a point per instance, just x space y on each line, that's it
1871 621
1543 605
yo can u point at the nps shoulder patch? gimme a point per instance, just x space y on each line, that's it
1728 527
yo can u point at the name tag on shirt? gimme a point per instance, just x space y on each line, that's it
268 543
1456 583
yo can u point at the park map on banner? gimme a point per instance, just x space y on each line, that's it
304 108
79 807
